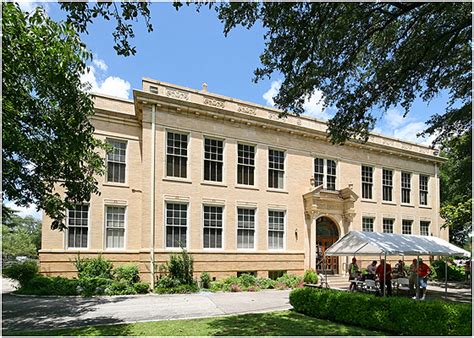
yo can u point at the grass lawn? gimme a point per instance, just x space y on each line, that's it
281 323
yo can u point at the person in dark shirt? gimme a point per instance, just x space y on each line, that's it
384 279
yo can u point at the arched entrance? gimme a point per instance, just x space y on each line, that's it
326 234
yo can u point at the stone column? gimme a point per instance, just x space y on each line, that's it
312 243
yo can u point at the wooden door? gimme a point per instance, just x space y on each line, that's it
330 266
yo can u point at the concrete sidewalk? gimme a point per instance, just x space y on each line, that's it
35 313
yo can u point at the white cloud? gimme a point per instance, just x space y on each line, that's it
25 211
98 83
313 104
395 118
409 132
30 6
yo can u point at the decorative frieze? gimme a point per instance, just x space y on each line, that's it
177 94
214 103
246 109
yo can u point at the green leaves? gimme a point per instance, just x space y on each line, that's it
49 153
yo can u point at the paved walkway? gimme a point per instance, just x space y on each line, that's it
34 313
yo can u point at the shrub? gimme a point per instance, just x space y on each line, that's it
180 267
128 273
166 282
42 285
402 316
93 267
90 286
235 288
216 286
182 288
246 280
280 286
291 281
119 287
205 280
23 272
141 287
310 277
266 283
455 273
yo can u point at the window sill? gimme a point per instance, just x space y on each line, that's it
368 201
389 203
116 185
281 191
115 250
425 207
407 205
246 250
176 179
214 184
248 187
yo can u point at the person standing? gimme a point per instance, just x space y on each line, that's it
353 271
422 272
371 270
412 278
385 278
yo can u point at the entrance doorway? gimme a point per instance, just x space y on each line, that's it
326 235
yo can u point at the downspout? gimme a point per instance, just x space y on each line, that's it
152 202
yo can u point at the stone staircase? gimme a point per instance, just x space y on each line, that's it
338 282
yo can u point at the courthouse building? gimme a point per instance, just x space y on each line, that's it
240 188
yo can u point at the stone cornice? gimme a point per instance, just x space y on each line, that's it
189 100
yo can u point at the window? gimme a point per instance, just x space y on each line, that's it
388 225
213 159
276 168
276 229
406 186
387 185
176 155
116 159
424 228
245 164
328 181
176 224
78 226
367 224
212 227
245 228
274 274
406 226
367 181
252 273
114 227
423 190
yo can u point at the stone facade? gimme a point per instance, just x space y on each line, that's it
200 115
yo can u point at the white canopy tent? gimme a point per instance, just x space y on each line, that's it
383 244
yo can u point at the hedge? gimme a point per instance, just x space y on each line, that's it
403 316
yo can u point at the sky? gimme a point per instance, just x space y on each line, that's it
188 48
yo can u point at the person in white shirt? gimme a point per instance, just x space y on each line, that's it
371 270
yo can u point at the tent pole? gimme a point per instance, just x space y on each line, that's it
417 284
385 275
324 269
446 277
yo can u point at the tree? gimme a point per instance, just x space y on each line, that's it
21 236
364 57
458 218
47 133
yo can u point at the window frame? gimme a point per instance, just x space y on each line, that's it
284 169
372 225
126 163
404 189
188 226
255 233
371 182
392 225
387 186
325 173
426 191
188 162
428 227
222 228
407 225
283 248
213 138
255 176
66 233
125 226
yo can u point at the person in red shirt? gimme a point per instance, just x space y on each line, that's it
422 277
384 280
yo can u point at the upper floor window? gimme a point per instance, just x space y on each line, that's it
388 225
387 185
423 190
406 187
115 227
176 155
424 228
245 164
328 180
406 226
116 159
213 226
78 226
276 229
213 159
367 181
276 168
176 224
245 228
368 224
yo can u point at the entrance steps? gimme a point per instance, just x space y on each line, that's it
337 281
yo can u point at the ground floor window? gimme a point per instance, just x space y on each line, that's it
367 224
176 224
240 273
406 226
245 228
388 225
212 227
276 229
424 228
78 226
115 227
274 274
